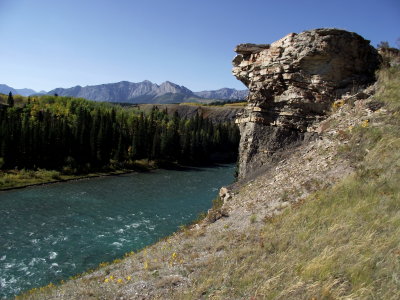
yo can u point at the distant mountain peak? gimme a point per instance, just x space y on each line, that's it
146 92
140 92
224 93
5 89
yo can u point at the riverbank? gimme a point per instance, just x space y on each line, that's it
322 223
17 179
52 232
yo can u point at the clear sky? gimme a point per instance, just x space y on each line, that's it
63 43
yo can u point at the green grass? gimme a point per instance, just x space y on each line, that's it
10 179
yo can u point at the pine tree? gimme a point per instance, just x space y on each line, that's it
10 100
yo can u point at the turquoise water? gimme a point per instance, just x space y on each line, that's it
48 233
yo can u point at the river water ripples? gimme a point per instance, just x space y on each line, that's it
49 233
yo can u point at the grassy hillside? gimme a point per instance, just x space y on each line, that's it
342 241
323 224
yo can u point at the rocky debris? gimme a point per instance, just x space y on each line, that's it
293 83
251 48
311 166
216 214
224 194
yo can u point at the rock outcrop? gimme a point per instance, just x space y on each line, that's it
293 83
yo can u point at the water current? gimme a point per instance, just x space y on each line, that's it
51 232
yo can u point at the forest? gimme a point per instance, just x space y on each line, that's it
76 135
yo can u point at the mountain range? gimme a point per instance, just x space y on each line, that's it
5 89
141 92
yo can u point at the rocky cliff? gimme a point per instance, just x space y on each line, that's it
323 223
293 83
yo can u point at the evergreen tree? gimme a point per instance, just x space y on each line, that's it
10 100
75 134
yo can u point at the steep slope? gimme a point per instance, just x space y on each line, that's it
322 222
292 84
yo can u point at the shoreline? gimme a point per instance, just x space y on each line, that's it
142 168
131 252
73 178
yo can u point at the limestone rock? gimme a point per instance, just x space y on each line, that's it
292 84
225 194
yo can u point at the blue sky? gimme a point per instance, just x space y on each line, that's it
54 43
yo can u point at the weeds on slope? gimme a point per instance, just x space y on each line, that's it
343 241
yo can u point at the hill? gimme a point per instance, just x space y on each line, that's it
315 214
215 113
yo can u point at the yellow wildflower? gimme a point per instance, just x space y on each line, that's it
365 123
119 280
128 277
106 280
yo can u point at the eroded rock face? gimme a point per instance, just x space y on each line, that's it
293 83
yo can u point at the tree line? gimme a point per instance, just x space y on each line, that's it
77 135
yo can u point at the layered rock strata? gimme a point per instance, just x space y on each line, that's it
293 83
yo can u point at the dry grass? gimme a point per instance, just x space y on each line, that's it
341 242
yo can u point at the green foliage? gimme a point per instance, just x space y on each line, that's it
10 100
217 203
76 135
253 219
383 44
227 102
389 87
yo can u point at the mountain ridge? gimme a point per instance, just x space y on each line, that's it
147 92
5 89
135 92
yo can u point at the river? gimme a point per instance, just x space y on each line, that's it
51 232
